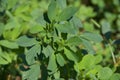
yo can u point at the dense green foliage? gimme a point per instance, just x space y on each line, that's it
59 39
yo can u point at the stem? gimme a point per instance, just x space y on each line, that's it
113 56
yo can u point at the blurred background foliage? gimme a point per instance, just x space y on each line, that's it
18 16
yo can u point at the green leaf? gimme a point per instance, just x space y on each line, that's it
87 62
61 3
95 70
88 46
115 76
24 41
105 27
3 5
12 34
48 51
21 9
5 58
98 59
52 66
89 27
1 28
24 17
33 73
66 28
52 10
15 33
74 41
67 13
57 75
76 22
40 20
3 61
32 53
92 36
105 73
36 29
100 4
7 34
12 23
9 44
36 13
70 55
60 59
11 3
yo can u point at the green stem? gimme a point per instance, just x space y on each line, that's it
112 53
